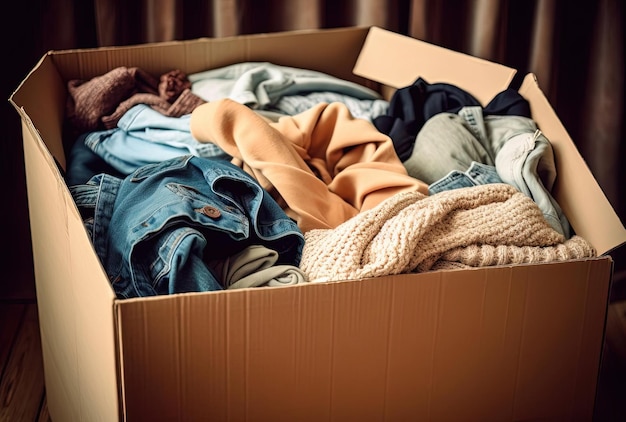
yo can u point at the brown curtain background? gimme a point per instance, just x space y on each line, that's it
574 48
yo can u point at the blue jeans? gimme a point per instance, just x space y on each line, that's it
476 174
155 230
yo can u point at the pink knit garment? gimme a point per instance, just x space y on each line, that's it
492 224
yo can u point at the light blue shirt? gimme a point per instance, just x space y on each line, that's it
144 136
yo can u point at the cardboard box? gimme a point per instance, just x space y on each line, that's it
502 343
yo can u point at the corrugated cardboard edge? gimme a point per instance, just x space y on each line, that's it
325 50
45 117
74 301
397 61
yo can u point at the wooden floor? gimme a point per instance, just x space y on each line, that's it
22 391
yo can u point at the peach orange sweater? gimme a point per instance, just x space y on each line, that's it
323 166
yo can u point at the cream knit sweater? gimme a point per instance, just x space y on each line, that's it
491 224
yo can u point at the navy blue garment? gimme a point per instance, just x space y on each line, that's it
508 103
155 230
412 105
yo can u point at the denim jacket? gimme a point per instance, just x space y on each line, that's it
155 230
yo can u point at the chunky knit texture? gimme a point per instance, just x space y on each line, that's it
484 225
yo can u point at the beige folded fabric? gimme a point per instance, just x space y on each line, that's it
255 266
483 225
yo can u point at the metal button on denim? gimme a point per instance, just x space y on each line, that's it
210 211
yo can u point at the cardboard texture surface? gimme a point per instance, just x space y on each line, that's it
397 61
74 298
396 348
502 343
